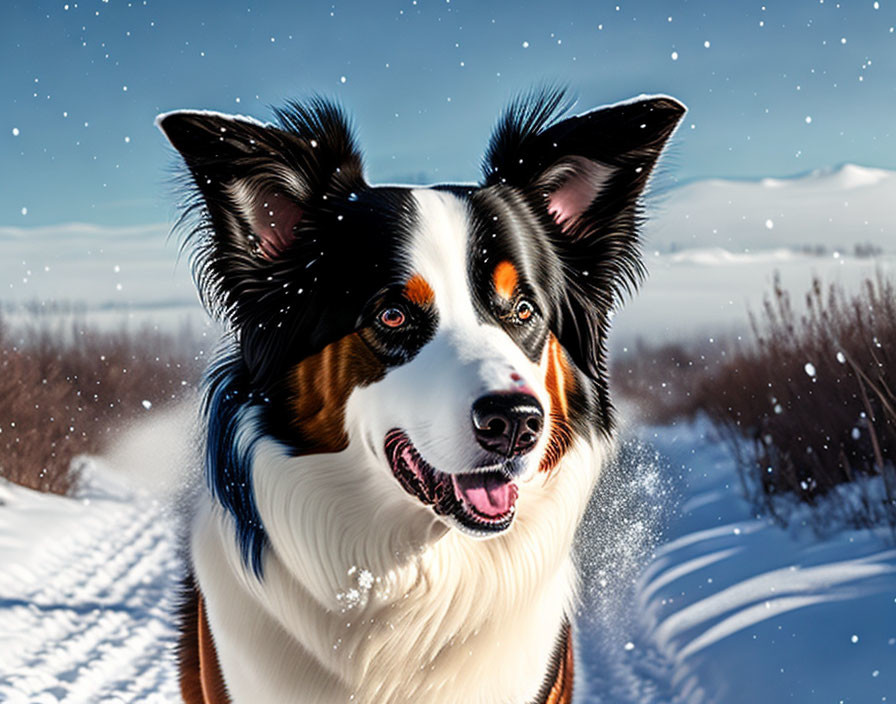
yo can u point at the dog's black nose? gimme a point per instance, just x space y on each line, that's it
508 422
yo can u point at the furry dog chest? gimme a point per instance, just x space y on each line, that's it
411 409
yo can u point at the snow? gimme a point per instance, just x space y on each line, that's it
90 584
733 608
75 263
87 594
711 249
709 290
689 597
836 207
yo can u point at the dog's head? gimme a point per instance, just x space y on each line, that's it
455 334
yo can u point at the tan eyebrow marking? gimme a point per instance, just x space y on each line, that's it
417 290
505 279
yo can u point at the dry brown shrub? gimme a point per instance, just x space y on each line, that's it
66 388
807 405
813 398
664 381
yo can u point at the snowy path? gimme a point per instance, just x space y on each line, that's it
86 596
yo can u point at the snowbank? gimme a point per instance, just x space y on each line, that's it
836 207
732 608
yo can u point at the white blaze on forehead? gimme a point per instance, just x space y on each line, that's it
431 396
439 252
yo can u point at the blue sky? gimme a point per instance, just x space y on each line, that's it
773 90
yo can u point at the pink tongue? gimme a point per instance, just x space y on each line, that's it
490 494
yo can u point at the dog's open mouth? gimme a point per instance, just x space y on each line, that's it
483 502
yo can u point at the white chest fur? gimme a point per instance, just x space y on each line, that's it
351 612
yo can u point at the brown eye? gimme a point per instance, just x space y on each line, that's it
392 317
524 310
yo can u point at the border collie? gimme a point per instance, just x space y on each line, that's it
412 408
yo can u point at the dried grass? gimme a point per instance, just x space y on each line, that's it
807 405
66 388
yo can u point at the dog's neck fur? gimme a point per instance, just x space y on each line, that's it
429 615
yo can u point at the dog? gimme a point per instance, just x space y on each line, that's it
411 409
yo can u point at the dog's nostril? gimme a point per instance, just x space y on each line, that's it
496 426
508 423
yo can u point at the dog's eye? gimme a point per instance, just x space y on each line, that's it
524 310
392 317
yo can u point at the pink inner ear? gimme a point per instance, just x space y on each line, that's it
584 180
274 219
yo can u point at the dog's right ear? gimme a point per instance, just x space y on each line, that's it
256 185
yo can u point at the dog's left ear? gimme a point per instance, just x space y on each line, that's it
585 175
585 165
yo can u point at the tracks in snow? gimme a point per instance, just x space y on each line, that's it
86 600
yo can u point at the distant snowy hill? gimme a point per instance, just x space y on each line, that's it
836 207
712 248
118 273
708 291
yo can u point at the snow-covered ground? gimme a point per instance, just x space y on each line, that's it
89 584
114 275
730 607
688 596
87 590
710 291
